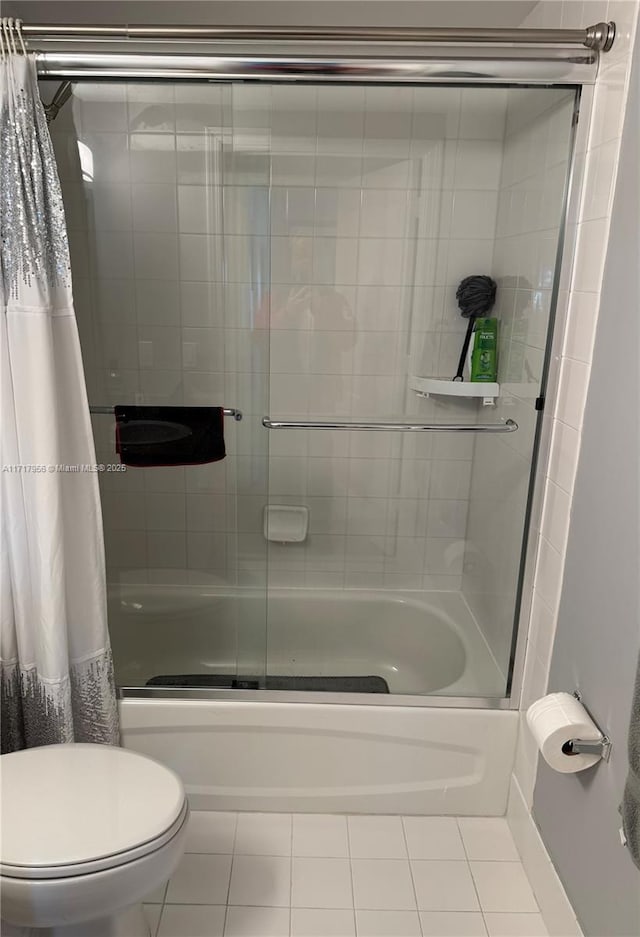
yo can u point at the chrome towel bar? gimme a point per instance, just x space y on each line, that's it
236 414
509 427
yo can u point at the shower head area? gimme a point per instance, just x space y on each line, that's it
293 251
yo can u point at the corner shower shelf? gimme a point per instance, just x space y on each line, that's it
438 386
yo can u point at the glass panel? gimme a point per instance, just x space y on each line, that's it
294 251
382 201
165 321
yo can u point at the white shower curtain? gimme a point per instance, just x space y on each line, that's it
56 665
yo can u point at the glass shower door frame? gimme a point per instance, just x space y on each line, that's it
542 442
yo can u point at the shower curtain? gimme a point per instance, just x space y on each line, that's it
56 667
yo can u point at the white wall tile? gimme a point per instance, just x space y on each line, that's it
478 164
548 578
590 255
574 383
293 210
581 326
155 256
474 214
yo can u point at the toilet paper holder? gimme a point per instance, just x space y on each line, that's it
600 747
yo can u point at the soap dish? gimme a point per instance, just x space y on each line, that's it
286 523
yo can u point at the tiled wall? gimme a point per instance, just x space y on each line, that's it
349 217
157 323
531 200
415 177
598 155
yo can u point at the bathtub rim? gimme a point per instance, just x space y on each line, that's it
295 696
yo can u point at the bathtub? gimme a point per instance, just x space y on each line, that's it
406 752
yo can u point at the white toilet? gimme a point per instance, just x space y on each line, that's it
87 832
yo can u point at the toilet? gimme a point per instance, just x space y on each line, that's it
88 831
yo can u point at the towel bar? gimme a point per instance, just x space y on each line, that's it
228 411
509 427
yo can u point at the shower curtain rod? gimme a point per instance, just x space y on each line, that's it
599 37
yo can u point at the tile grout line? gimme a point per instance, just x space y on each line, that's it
413 883
353 891
233 852
475 887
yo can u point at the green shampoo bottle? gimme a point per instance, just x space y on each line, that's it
484 358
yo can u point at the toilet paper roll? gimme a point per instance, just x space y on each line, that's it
556 719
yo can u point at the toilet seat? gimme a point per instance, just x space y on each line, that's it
70 810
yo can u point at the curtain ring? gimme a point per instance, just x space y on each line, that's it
5 35
20 38
12 36
3 50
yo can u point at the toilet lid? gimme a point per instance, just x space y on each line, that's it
94 806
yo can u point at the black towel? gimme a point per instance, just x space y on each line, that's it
153 436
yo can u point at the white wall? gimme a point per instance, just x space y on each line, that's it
580 296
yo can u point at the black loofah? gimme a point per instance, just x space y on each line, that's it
476 295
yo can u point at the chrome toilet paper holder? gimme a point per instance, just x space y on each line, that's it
600 747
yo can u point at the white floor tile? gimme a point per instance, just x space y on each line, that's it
264 881
200 879
152 916
515 925
257 922
303 875
317 834
488 838
263 834
503 886
180 920
321 883
444 886
433 838
321 922
452 924
387 924
383 885
210 831
376 838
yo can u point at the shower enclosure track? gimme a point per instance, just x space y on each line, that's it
350 54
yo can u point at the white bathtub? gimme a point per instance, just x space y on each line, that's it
420 643
312 753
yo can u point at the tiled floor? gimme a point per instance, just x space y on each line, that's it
311 875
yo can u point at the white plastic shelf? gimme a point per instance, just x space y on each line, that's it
438 386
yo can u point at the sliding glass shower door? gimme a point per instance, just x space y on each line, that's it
395 556
170 303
